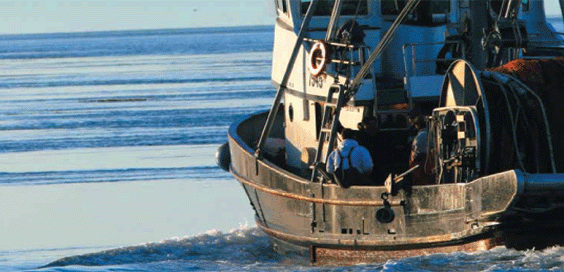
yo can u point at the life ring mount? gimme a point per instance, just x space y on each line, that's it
318 58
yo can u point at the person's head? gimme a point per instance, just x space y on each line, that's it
347 133
340 127
369 124
416 118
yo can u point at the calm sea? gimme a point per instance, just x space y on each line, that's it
107 145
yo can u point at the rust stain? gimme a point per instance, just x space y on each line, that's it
326 251
337 256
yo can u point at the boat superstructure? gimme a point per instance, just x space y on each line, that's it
484 73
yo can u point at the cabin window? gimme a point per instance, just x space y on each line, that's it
426 13
325 7
318 119
306 109
525 5
281 6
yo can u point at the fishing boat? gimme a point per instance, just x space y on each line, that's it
485 76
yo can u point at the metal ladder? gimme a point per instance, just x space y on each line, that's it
328 129
327 136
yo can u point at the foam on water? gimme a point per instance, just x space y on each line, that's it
249 249
241 246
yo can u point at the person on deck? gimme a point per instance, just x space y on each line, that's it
377 146
419 149
350 163
367 130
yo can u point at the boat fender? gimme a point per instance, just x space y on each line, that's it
386 214
223 156
318 58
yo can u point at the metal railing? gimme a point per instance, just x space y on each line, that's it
411 62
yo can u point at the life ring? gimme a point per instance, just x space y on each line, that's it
318 58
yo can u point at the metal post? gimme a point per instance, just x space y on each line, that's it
274 110
478 15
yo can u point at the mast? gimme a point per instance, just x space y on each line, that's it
478 22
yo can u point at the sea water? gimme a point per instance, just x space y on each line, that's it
107 143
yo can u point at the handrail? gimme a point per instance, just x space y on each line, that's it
415 61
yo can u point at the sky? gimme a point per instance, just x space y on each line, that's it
33 16
42 16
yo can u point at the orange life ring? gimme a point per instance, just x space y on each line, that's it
318 58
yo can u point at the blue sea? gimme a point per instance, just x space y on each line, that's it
107 143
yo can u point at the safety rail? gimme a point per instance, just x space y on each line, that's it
411 70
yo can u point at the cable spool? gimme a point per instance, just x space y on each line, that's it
489 122
461 126
318 58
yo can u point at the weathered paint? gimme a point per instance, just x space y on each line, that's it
339 225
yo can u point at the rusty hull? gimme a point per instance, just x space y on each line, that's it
335 225
350 252
337 256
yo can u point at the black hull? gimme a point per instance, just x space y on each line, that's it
333 225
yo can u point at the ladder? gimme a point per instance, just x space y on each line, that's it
328 130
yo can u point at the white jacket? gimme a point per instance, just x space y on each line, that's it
360 157
420 143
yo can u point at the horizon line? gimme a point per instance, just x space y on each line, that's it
132 31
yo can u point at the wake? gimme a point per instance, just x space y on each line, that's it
249 249
239 246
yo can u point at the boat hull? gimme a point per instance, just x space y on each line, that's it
334 225
320 252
